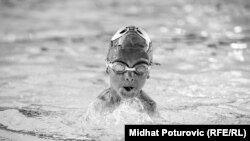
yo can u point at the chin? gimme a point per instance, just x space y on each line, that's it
128 92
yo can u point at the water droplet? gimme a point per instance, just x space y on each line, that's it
212 60
180 31
204 33
237 29
237 55
238 45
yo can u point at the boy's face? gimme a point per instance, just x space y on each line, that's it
129 83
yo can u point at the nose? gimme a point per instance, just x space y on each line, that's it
129 76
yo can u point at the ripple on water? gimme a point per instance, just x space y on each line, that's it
74 123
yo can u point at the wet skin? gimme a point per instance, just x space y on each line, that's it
129 84
111 98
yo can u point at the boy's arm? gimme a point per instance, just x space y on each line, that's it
106 101
149 103
107 97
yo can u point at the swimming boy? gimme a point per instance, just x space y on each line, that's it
128 63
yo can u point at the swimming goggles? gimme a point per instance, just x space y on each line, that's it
137 30
120 68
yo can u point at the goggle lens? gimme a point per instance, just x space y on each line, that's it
119 68
141 69
122 68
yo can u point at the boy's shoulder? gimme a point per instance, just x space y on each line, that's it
108 101
104 95
108 97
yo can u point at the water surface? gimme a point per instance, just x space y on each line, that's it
52 65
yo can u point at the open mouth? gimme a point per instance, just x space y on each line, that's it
128 92
128 88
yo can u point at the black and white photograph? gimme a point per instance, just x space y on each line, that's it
81 70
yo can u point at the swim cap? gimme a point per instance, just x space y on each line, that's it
130 37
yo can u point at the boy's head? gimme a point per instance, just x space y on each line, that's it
128 61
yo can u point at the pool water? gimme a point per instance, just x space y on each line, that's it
52 65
